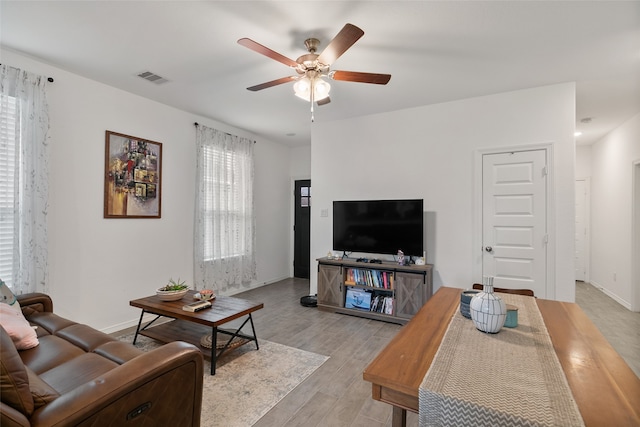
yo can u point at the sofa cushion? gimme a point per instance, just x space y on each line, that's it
40 332
51 352
84 336
51 322
13 321
69 375
118 351
41 392
14 381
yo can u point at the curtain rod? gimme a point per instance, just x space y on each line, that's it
49 79
196 124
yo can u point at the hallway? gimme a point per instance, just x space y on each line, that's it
621 327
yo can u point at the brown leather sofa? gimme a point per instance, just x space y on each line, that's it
78 376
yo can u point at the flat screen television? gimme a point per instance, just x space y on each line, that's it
378 226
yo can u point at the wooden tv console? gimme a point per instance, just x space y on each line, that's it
408 287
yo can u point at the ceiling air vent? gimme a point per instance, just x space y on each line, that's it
152 77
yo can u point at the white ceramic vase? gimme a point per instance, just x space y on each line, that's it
488 311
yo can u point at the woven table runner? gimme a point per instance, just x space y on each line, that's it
512 378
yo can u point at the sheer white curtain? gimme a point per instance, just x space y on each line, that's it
224 251
24 175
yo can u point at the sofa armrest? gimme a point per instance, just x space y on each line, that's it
10 417
33 302
162 387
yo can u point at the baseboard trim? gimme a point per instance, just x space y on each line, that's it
613 296
256 285
131 324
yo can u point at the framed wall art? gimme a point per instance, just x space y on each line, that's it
132 177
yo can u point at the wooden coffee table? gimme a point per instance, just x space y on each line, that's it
192 327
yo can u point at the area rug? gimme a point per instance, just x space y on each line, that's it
248 382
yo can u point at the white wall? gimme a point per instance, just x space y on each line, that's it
301 162
611 223
583 161
97 265
428 152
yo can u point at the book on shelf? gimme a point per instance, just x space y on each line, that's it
388 306
382 304
369 277
374 278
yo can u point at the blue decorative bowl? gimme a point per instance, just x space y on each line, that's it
465 300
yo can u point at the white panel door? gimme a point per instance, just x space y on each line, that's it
581 229
514 220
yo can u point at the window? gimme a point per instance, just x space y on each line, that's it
305 197
224 187
8 158
24 180
224 241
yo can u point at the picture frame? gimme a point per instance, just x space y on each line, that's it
132 177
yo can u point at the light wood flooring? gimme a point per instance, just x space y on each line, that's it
335 394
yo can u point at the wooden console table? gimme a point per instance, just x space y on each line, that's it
606 390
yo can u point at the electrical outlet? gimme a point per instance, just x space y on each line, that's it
614 277
324 213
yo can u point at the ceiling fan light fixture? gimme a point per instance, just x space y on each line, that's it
302 88
321 89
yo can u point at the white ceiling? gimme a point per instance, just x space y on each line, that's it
435 51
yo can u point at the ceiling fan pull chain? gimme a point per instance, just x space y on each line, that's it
312 97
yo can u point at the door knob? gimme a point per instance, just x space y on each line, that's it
488 249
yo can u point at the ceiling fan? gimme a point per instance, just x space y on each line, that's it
312 68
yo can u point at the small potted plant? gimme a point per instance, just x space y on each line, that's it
172 291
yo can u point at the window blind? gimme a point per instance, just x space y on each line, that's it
9 145
223 190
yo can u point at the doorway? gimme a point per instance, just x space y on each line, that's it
514 219
302 229
582 230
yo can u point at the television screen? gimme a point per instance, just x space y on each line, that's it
378 226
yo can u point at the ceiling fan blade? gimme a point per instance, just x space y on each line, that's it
324 101
263 50
340 43
272 83
353 76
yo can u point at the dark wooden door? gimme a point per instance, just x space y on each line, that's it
302 229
